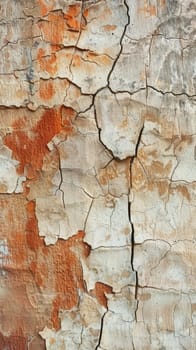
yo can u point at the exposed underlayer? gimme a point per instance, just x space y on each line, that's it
97 175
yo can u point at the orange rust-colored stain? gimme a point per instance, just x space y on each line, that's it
60 272
33 267
74 10
73 24
71 16
68 279
138 177
36 245
74 20
86 13
157 167
17 311
47 63
186 138
18 256
99 292
40 271
113 171
102 60
30 151
182 189
107 174
152 117
33 240
13 342
109 27
68 116
77 61
45 7
53 29
46 89
163 187
33 270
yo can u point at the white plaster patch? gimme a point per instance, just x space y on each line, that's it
10 181
120 121
109 216
111 266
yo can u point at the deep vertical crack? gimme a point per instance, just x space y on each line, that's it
132 224
121 45
101 331
61 176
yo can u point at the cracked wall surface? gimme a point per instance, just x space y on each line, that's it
97 175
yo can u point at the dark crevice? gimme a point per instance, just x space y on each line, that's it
61 176
101 331
121 40
99 134
133 244
171 92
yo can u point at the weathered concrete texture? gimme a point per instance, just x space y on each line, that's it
97 175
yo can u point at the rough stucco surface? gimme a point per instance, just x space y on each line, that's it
97 175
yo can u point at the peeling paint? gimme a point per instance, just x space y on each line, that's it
97 175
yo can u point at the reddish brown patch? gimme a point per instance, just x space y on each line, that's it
71 14
109 28
38 275
107 174
138 175
99 292
34 271
33 240
68 276
71 17
53 29
59 273
16 307
13 342
47 63
163 187
186 138
77 61
45 7
102 60
18 256
152 117
86 13
31 150
183 190
58 23
68 116
159 168
46 89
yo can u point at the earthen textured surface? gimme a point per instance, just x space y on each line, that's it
97 175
